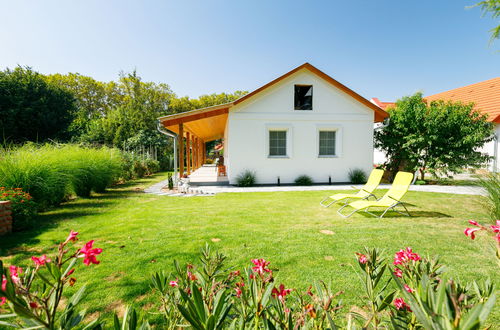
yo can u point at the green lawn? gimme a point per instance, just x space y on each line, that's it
143 233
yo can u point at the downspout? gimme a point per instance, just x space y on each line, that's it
495 153
173 135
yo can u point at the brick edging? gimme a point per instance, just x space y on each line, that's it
5 217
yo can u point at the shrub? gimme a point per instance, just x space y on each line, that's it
357 176
304 180
246 179
209 161
491 183
152 166
23 207
30 168
50 173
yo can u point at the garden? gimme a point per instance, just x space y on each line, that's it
309 250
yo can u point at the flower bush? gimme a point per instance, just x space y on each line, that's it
493 231
23 207
411 292
33 295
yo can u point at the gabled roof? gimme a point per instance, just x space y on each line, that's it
382 105
188 116
485 95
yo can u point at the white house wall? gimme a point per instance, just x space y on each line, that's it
249 122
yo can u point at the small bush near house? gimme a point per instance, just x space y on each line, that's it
23 207
491 183
209 161
152 166
304 180
246 179
357 176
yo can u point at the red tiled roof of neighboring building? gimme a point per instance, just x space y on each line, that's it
485 95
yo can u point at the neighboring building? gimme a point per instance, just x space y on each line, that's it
486 98
304 122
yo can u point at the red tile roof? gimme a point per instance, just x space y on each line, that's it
382 105
485 95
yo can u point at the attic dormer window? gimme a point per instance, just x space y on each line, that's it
303 97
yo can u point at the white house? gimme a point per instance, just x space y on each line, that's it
304 122
486 98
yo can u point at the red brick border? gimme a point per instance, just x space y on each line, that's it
5 217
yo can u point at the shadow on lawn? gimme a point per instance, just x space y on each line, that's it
414 214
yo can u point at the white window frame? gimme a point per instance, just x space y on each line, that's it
279 127
338 139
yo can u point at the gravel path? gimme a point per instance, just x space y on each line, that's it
211 190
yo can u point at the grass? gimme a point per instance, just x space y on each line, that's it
143 233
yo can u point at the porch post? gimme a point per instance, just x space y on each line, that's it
195 152
180 141
193 144
204 150
188 153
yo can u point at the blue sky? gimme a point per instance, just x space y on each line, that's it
383 49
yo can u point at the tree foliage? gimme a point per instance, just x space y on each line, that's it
31 109
437 137
491 7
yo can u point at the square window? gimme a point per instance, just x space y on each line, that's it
303 97
327 143
277 143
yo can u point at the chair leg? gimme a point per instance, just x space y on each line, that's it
348 215
403 204
322 203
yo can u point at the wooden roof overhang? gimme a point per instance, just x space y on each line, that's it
208 124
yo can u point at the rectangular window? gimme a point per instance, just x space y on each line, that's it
327 143
303 97
277 143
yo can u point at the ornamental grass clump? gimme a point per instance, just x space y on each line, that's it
491 183
303 180
50 173
357 176
246 179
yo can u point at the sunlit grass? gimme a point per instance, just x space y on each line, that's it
143 233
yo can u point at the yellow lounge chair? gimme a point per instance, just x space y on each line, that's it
364 193
389 201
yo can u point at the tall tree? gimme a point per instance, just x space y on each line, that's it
31 109
437 137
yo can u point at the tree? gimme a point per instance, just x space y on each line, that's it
491 7
31 109
440 137
94 99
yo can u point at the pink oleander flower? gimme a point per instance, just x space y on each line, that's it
4 283
236 273
40 261
33 304
71 271
469 232
14 273
280 293
361 258
398 272
474 223
404 256
238 292
407 288
174 284
72 237
89 254
496 228
399 303
240 284
191 276
3 300
252 276
260 266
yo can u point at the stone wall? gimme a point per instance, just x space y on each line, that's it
5 217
